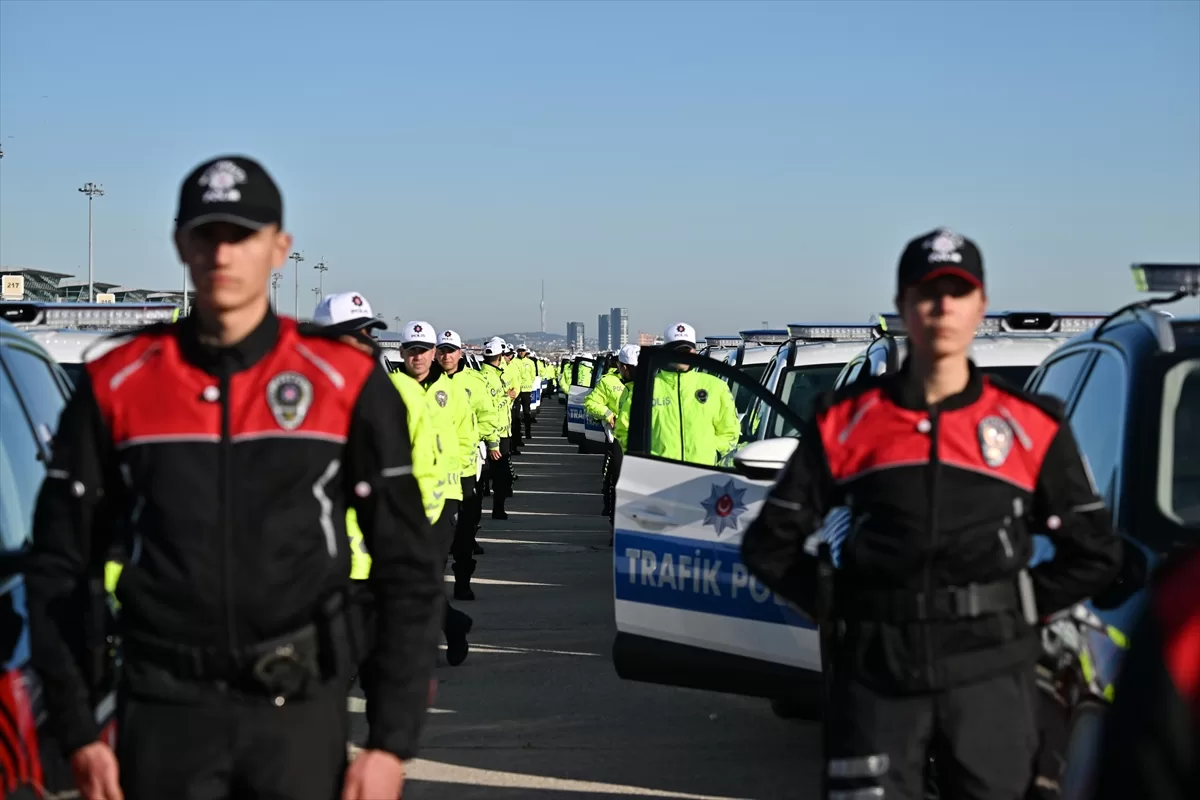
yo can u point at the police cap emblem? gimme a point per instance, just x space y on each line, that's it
702 395
289 396
995 440
358 301
441 398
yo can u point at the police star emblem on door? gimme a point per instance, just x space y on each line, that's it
289 396
723 507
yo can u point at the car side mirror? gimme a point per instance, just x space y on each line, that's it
1131 579
763 460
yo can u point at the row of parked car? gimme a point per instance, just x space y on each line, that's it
689 614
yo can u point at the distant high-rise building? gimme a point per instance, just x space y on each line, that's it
575 336
618 328
602 327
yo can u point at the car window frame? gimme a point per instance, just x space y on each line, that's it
1093 352
1034 382
639 412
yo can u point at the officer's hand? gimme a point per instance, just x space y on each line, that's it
96 774
374 775
495 455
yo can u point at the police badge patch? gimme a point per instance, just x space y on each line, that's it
702 395
995 440
289 395
441 398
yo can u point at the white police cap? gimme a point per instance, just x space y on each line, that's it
419 332
449 338
629 354
679 332
344 308
494 347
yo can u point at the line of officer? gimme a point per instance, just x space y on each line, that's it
349 316
499 469
944 471
449 411
693 417
484 426
228 447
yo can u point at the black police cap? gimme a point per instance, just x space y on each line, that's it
936 253
232 189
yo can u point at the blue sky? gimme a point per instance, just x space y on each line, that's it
724 163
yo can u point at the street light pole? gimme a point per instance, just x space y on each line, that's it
92 191
297 258
276 279
321 270
397 318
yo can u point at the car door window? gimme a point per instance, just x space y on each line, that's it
40 388
802 387
1059 376
1096 420
689 416
21 469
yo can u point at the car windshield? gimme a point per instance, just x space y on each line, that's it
801 388
1179 466
1013 375
741 394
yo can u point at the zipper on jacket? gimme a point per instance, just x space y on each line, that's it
225 504
679 402
934 496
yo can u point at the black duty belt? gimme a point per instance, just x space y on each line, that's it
904 605
283 665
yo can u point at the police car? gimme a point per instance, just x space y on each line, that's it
1008 344
75 333
688 612
754 352
719 347
1131 390
33 392
802 369
584 373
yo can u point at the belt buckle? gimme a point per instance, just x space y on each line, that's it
966 600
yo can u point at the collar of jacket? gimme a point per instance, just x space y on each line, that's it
234 358
907 391
435 372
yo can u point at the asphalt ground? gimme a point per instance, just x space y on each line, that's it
537 710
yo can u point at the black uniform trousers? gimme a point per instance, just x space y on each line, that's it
454 620
463 547
526 415
498 473
515 435
232 749
983 736
612 473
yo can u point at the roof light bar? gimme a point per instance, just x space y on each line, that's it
840 332
770 336
98 316
1002 322
723 341
1169 278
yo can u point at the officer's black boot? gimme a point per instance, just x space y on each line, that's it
456 628
498 500
528 429
462 580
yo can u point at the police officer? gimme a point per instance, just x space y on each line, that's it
513 377
499 469
448 411
694 419
476 395
603 403
944 472
229 445
528 373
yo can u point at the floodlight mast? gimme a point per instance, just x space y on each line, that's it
92 190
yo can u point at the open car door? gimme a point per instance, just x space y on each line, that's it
688 612
581 371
